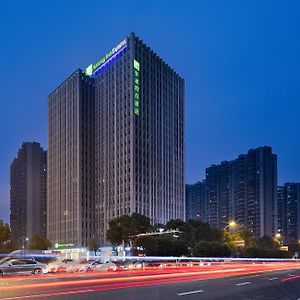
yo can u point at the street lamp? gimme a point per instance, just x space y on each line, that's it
278 238
231 224
25 245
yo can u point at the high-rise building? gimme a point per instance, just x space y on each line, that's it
133 153
282 213
288 197
71 202
28 193
196 201
244 190
219 194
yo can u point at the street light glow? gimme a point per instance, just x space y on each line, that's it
232 224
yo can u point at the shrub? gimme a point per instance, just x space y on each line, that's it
211 249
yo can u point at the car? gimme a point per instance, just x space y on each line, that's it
84 265
124 265
96 266
108 266
6 259
22 266
137 265
65 265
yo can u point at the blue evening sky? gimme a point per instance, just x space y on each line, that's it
240 60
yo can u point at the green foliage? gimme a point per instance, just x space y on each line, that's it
196 238
159 226
39 243
6 245
194 231
176 224
148 244
170 246
164 245
264 253
121 228
4 233
93 244
247 237
140 223
211 249
232 238
267 242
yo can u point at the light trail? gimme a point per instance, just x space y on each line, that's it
80 290
119 279
290 278
95 282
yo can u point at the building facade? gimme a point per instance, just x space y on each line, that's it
245 190
134 148
196 201
28 193
70 218
219 194
289 212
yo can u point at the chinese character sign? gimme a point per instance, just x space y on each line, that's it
136 87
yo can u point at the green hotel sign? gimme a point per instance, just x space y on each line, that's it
63 245
106 58
136 87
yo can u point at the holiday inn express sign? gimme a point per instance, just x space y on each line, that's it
92 68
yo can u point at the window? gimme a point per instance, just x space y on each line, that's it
29 262
18 262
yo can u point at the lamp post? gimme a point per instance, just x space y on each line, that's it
278 237
25 241
232 224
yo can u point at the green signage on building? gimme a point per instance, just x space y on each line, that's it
106 58
136 87
63 245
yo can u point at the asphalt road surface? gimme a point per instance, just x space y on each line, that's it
220 281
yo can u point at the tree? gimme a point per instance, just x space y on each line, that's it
176 225
170 246
232 238
5 242
145 245
93 244
39 243
121 228
194 231
179 248
159 226
248 238
264 253
211 249
4 233
140 224
267 242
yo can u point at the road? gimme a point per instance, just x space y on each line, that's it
217 281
